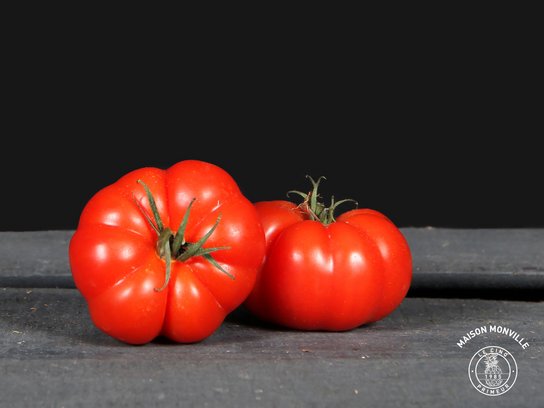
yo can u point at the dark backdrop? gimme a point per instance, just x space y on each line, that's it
416 180
437 130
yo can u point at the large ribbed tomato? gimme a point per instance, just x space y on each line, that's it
325 274
140 279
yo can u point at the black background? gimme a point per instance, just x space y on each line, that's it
433 125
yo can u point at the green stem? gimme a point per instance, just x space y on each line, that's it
164 252
179 240
174 247
153 207
313 195
315 209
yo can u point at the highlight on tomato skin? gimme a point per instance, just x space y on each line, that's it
327 273
167 252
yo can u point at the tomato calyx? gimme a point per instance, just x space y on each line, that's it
173 247
315 209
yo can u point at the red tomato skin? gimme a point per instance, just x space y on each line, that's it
185 290
277 216
394 251
116 268
335 277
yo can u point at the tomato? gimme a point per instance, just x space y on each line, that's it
140 279
321 273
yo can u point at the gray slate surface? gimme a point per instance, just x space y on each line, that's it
477 259
442 258
35 259
51 354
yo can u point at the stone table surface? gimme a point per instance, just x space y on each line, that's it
52 355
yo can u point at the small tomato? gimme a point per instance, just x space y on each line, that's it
321 273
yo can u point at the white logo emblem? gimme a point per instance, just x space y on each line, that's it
493 370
